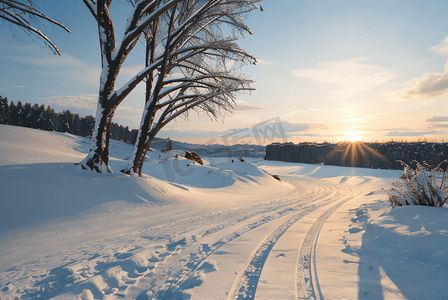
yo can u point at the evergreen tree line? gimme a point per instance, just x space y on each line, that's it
358 154
39 117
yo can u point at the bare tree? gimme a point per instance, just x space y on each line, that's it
21 14
113 54
182 36
200 64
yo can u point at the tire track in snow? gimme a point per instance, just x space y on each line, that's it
192 266
292 202
307 283
180 227
245 285
185 271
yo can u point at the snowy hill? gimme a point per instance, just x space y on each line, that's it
213 150
224 230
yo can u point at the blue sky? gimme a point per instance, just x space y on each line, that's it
326 68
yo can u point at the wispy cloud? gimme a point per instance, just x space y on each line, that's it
329 109
263 131
65 65
88 101
20 87
437 119
442 48
438 125
352 120
130 71
294 128
414 133
129 113
430 85
379 117
351 77
395 112
262 62
305 135
437 122
243 106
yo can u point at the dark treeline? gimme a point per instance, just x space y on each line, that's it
45 118
358 154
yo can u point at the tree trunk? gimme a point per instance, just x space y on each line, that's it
141 146
98 157
137 159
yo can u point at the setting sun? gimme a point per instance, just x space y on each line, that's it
353 136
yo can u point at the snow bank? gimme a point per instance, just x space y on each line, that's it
412 233
25 145
44 194
173 167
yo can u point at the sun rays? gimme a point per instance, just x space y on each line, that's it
355 152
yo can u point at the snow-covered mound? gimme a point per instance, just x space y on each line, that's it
41 186
21 145
173 167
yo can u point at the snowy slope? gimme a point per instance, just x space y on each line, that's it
224 230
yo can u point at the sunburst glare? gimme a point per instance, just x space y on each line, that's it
355 153
352 136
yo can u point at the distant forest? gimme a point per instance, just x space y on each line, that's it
39 117
358 154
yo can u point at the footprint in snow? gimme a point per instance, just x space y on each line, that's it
209 266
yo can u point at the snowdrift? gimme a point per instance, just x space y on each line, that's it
43 189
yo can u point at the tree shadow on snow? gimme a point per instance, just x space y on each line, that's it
387 266
45 191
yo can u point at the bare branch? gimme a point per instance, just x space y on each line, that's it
28 9
14 12
92 8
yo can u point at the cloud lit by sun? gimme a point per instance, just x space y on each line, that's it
352 136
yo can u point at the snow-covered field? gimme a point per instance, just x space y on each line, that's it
225 230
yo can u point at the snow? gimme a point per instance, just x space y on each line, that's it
222 230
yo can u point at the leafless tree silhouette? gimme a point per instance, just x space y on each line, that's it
192 62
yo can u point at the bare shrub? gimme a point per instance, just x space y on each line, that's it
423 185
